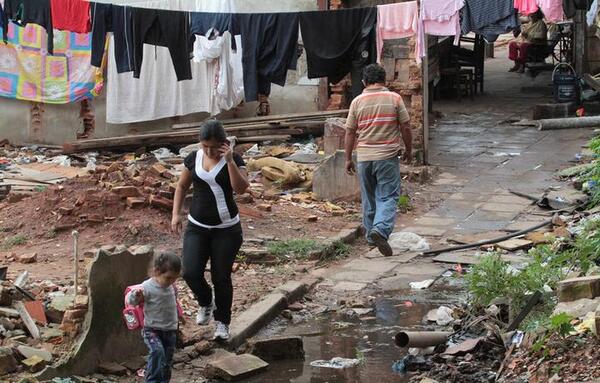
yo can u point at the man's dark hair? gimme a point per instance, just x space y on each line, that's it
213 130
373 74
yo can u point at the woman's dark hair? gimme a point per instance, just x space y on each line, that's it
213 130
373 74
537 15
166 262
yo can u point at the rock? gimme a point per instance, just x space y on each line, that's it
278 348
29 352
8 363
235 367
57 307
8 313
135 202
5 296
330 181
264 207
112 369
578 308
312 218
34 363
573 289
203 347
276 170
28 258
126 191
161 203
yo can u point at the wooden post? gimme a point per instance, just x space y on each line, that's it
580 28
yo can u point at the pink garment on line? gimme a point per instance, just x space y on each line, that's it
396 21
552 9
438 18
440 10
526 7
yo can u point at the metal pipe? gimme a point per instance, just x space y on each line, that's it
75 235
421 339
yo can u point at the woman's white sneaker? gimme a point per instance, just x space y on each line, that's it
204 315
221 331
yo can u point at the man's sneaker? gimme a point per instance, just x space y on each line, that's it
382 244
204 315
221 331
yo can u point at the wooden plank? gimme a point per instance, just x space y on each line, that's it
592 82
27 320
264 138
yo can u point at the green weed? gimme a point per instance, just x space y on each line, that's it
294 248
13 241
404 203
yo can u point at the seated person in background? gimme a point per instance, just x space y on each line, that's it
533 32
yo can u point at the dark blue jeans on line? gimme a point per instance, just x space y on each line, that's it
161 345
380 191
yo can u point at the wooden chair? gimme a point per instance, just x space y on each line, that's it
472 58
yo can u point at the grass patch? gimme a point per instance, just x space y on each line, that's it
404 203
13 241
294 248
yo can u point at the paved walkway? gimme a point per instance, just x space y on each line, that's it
480 156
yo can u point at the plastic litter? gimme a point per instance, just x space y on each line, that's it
254 151
517 339
62 161
444 316
421 285
163 153
406 241
336 363
309 148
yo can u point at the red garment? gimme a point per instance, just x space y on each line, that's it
526 7
71 15
517 52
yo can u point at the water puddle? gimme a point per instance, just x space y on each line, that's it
369 339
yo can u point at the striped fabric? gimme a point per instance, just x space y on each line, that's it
489 18
375 117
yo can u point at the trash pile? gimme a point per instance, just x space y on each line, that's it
38 322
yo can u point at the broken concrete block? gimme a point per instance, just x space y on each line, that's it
146 250
34 363
235 367
8 363
578 308
573 289
81 302
161 203
515 244
277 348
57 307
112 369
29 352
330 181
28 258
126 191
8 313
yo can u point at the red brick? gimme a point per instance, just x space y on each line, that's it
63 210
136 202
158 170
126 191
161 203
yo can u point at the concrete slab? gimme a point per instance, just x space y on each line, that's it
356 276
522 225
483 215
379 266
502 207
420 268
477 197
254 318
402 258
510 199
349 286
426 231
429 221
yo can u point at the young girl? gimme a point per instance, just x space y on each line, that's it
160 315
213 230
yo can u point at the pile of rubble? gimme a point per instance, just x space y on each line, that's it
38 322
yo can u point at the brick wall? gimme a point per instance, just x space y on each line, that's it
404 76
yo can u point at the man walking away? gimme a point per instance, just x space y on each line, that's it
376 121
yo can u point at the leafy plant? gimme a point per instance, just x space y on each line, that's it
404 203
560 324
490 279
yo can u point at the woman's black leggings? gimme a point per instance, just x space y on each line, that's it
221 247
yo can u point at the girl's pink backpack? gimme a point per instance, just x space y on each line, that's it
134 315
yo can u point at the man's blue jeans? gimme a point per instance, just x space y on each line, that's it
380 190
161 345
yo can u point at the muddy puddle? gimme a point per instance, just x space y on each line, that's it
369 338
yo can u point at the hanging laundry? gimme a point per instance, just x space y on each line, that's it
270 42
115 19
1 16
157 86
489 18
570 7
23 12
438 18
552 10
592 13
526 7
396 21
169 29
71 15
29 73
202 22
225 75
340 42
